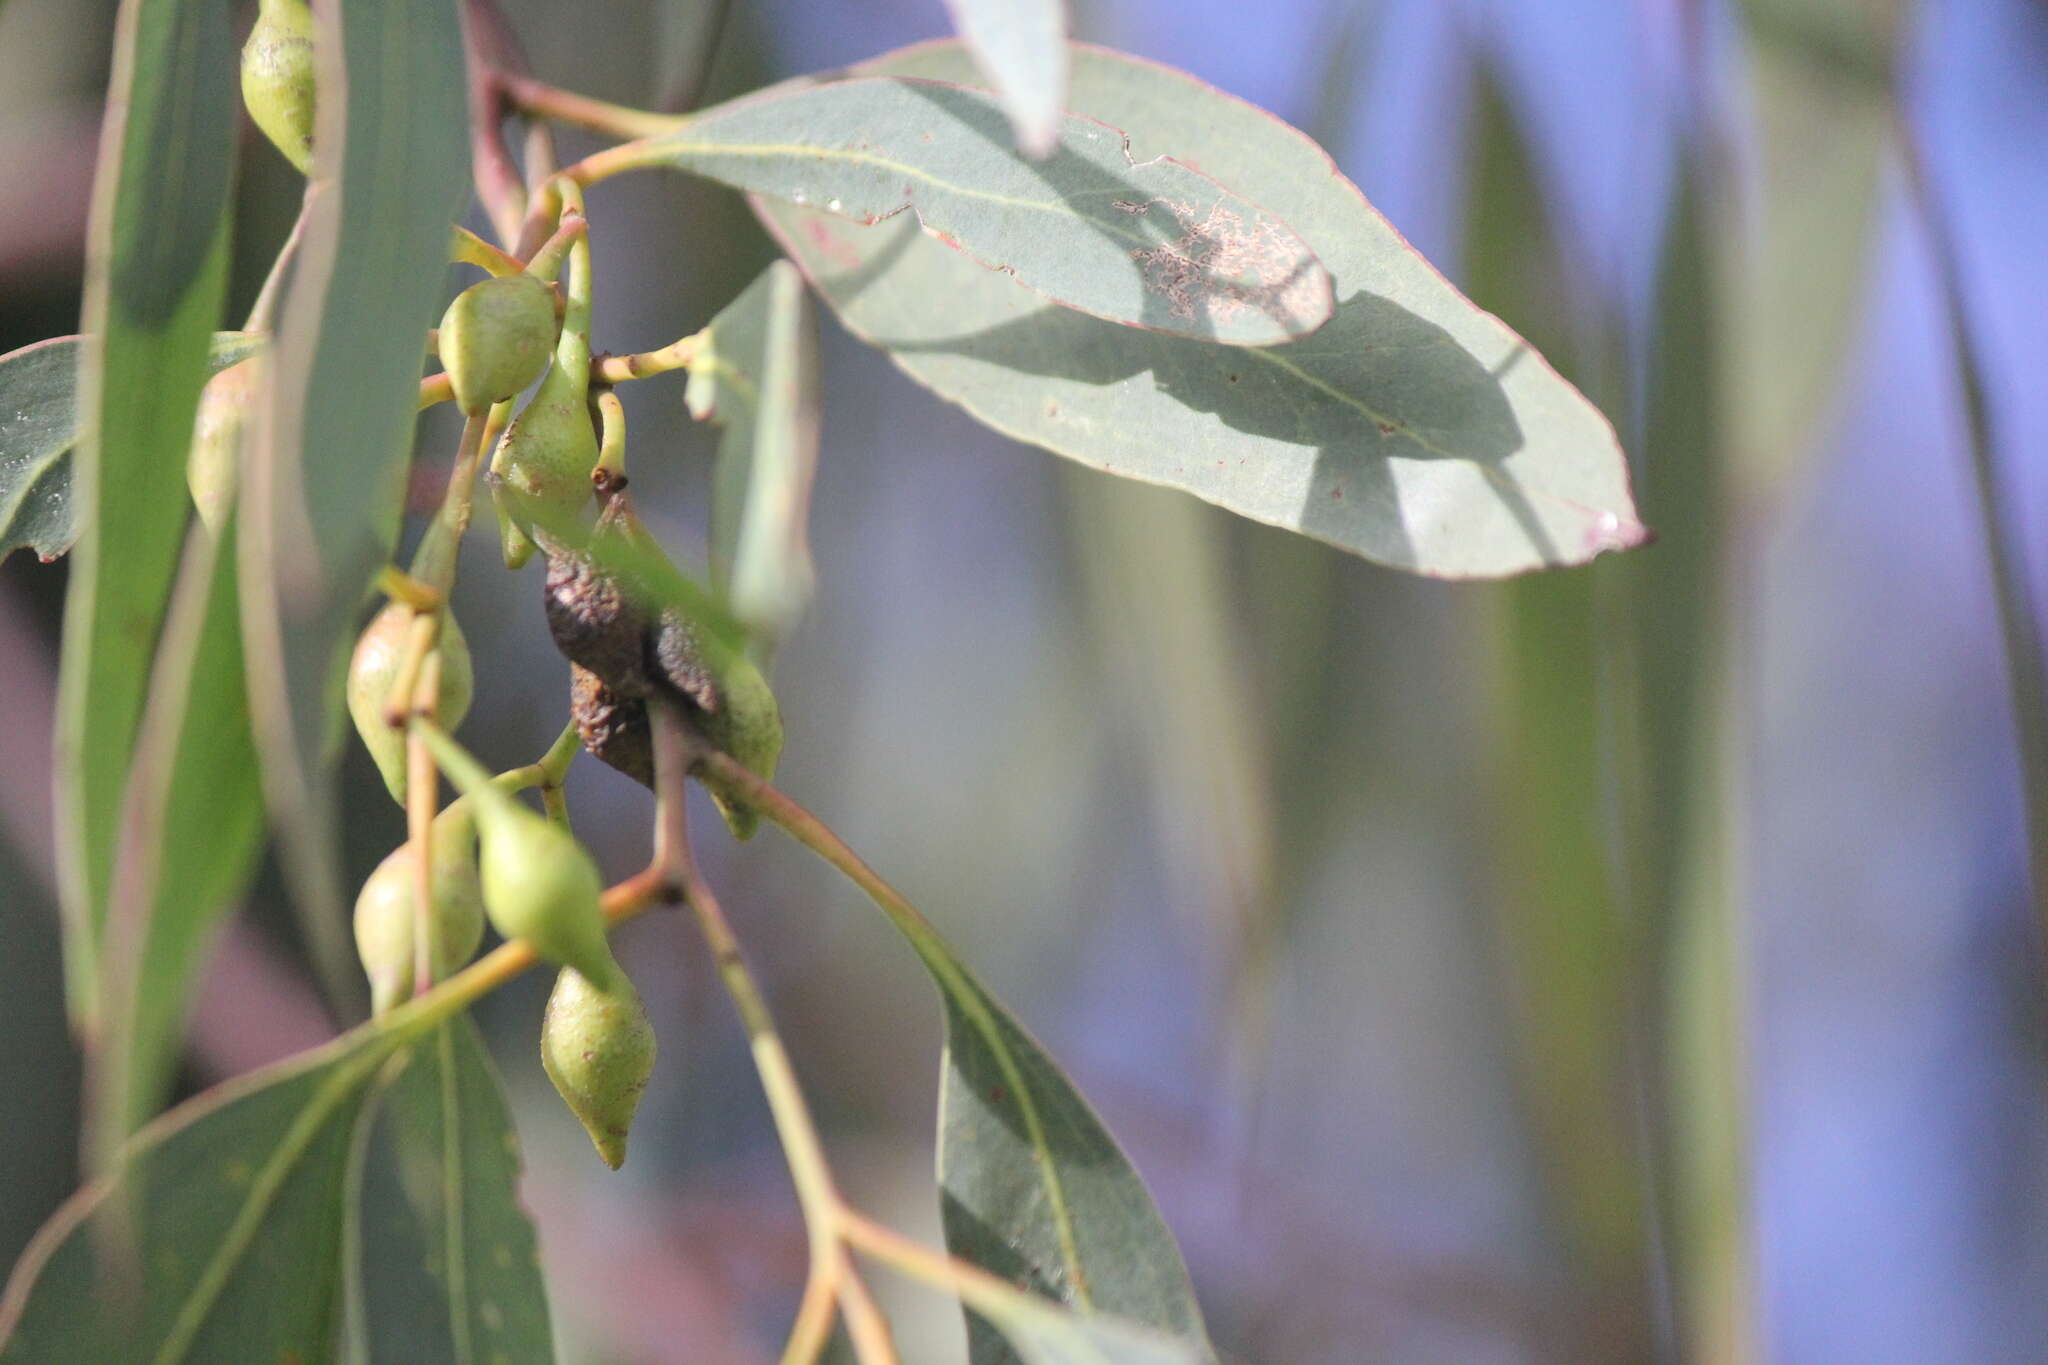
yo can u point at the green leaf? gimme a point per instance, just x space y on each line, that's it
1413 429
38 427
218 1235
192 821
1149 243
326 469
1026 1330
1021 46
758 378
156 277
458 1157
1571 951
1034 1190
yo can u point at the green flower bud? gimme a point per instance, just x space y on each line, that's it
214 465
513 543
541 470
384 920
496 339
278 79
598 1048
748 726
539 885
379 651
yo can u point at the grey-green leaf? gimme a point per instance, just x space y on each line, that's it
217 1236
192 822
156 278
1021 46
326 468
1149 243
38 428
1413 428
1018 1329
1034 1190
458 1159
757 376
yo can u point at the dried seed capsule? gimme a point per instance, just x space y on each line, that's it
384 919
214 466
598 1049
278 81
374 668
612 727
594 622
496 338
539 885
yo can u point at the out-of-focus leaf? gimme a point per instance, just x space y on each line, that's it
156 276
218 1234
38 428
1034 1189
1679 812
1147 243
758 378
325 474
1412 428
192 822
1795 281
1570 953
1019 1329
1021 46
458 1159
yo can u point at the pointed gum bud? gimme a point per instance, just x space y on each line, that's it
539 885
542 467
598 1049
374 668
384 919
278 80
496 338
214 466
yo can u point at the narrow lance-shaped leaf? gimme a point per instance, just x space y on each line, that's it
192 822
1149 243
1413 428
223 1222
156 274
758 378
328 459
1034 1190
1021 46
1570 951
39 505
458 1163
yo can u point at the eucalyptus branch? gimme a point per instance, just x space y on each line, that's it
487 47
677 355
581 111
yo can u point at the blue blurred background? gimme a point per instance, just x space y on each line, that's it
1251 833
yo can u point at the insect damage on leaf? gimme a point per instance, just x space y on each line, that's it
1227 268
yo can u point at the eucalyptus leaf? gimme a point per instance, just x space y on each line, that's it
192 822
458 1162
757 376
1150 243
156 278
39 508
1021 46
1034 1190
1413 428
325 475
218 1234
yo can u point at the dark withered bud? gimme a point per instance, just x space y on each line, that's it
612 727
594 623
